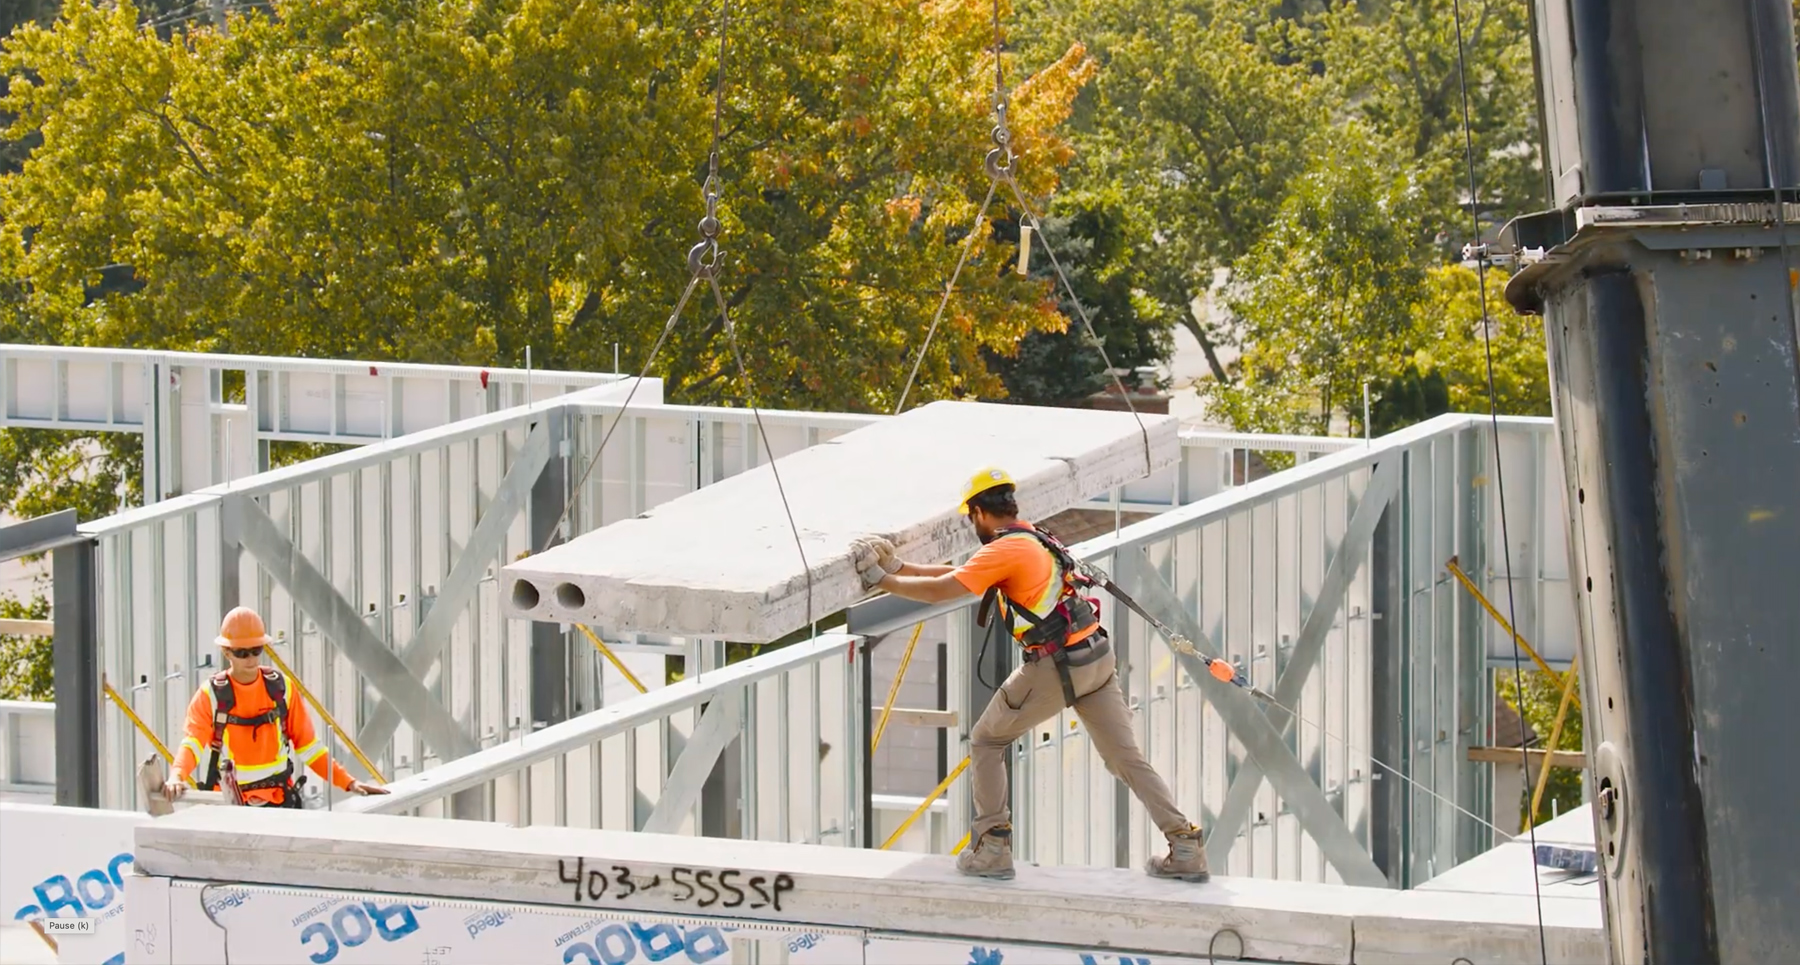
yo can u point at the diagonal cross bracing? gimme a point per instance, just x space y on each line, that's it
721 722
481 550
1265 747
1310 645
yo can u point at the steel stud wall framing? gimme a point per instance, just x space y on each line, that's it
366 544
1278 575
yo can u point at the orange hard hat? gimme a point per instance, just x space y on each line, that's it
242 627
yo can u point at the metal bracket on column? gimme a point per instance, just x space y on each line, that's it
1383 483
1244 719
343 626
453 595
717 727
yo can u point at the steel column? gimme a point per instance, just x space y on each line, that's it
1666 278
1387 601
550 641
76 656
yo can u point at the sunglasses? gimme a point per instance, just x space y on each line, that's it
245 653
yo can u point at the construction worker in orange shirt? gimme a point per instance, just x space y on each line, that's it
1068 662
243 715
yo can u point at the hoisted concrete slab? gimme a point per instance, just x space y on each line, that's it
722 561
653 875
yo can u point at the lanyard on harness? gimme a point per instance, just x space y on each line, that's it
1219 669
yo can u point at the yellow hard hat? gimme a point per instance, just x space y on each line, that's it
983 480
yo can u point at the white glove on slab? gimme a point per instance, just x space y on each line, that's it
866 556
884 552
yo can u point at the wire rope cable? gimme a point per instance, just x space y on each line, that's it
1087 323
619 417
750 400
1416 784
1487 344
949 287
701 259
999 166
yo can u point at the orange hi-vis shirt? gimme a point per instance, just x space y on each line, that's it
257 752
1026 574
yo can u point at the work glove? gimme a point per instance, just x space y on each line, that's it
890 560
865 555
884 552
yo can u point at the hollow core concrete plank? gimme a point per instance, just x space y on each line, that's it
722 561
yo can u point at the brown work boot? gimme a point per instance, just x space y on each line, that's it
1186 860
989 856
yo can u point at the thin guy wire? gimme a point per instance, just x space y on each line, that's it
1487 345
750 398
1268 698
999 75
974 230
1181 645
949 287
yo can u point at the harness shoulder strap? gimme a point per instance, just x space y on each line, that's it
223 700
276 684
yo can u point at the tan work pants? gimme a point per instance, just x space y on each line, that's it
1032 695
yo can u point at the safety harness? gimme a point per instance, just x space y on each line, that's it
1048 635
223 699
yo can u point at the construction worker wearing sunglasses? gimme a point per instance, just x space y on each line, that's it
1068 662
245 714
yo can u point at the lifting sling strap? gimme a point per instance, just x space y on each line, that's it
224 699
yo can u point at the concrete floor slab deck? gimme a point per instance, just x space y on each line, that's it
1241 918
722 561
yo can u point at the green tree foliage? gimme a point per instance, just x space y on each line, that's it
1396 62
26 663
455 182
1328 293
1543 697
1448 370
1194 121
46 471
1063 368
1449 320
